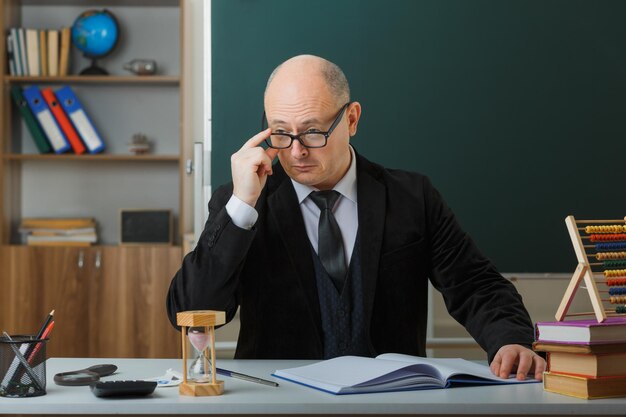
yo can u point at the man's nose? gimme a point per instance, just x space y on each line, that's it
297 150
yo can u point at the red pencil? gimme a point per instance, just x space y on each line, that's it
37 348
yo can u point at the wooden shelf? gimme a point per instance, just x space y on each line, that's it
97 79
96 246
97 157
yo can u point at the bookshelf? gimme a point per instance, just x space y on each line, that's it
99 185
120 105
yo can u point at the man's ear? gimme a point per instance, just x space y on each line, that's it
354 114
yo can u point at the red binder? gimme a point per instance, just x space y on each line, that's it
64 123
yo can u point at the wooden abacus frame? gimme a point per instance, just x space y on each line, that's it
583 272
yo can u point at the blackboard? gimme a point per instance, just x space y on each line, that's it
515 109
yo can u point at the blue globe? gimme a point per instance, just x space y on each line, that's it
95 33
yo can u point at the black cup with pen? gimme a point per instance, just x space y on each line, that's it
23 362
22 366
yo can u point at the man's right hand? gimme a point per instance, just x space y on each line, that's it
250 167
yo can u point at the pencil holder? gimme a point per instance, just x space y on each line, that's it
22 366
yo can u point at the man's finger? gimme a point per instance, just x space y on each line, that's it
525 364
271 153
507 364
495 364
257 139
540 367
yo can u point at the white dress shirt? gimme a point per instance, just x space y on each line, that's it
345 210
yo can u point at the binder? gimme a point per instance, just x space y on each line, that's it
32 49
17 57
31 123
48 123
63 122
79 118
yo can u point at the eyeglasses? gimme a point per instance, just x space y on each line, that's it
308 139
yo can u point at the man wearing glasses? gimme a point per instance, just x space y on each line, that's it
328 254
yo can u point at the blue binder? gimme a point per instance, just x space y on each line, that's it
85 128
46 120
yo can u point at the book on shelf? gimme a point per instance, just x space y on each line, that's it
581 387
87 238
391 372
43 53
36 231
612 330
64 53
38 52
58 231
33 126
32 52
21 38
11 55
60 243
57 222
15 46
53 52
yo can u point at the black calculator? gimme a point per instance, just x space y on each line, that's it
127 388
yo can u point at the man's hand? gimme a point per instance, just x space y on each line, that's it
250 167
519 359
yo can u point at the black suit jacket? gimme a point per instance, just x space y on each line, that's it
408 235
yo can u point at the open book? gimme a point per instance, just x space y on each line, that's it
390 372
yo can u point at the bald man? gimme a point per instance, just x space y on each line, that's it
329 254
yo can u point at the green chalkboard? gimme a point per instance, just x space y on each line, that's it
515 109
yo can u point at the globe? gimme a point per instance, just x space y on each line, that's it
95 33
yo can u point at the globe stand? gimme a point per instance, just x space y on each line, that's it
94 69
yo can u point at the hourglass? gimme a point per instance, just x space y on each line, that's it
199 369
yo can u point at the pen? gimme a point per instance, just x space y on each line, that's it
45 324
245 377
33 354
28 353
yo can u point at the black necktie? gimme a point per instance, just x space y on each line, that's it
329 240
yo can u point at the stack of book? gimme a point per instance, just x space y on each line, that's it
586 359
59 231
38 52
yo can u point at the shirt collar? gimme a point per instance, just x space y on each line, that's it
346 185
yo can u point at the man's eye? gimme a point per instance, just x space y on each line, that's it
313 131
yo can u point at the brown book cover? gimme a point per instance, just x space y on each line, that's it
57 223
64 56
53 53
587 365
588 388
64 243
43 53
580 347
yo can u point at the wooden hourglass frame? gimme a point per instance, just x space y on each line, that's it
207 319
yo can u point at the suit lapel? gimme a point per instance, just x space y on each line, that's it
282 205
371 209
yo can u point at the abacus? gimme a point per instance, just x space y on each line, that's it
605 243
